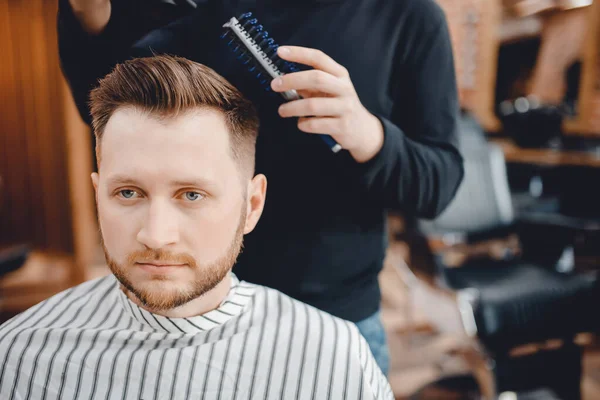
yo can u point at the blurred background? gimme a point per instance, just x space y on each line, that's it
496 298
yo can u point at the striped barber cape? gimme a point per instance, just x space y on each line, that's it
93 342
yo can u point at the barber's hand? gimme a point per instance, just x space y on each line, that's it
93 15
330 104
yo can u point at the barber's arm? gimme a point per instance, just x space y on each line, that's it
415 168
92 38
93 15
96 35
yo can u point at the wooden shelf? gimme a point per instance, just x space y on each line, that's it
549 157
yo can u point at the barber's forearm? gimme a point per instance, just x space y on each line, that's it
93 15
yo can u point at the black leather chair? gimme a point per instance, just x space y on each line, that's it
519 301
13 258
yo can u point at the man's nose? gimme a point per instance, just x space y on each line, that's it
160 226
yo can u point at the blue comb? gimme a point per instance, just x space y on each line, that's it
258 52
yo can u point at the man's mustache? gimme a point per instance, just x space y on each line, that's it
151 256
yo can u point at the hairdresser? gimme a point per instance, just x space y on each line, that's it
378 76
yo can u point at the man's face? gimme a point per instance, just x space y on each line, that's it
172 205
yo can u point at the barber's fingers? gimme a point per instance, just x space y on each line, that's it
314 58
312 81
314 106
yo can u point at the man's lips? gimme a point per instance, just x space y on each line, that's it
155 264
158 267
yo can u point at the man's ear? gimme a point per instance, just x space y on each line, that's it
95 178
257 193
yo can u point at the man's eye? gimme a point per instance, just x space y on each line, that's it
193 196
127 193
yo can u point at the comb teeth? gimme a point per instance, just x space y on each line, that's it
255 49
255 29
244 17
249 23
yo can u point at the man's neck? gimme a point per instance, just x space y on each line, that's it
199 306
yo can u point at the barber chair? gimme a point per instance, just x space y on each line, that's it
13 258
531 124
525 316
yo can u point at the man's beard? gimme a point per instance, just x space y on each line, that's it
206 277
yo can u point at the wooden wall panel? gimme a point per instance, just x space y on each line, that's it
36 205
13 151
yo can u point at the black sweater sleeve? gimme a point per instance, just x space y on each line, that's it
419 168
86 58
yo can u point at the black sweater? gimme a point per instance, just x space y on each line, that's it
321 238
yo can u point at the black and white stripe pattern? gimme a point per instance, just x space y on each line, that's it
92 342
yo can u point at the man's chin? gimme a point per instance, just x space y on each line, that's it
161 295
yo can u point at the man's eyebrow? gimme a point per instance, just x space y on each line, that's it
121 180
195 182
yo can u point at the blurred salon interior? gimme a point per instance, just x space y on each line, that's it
495 298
